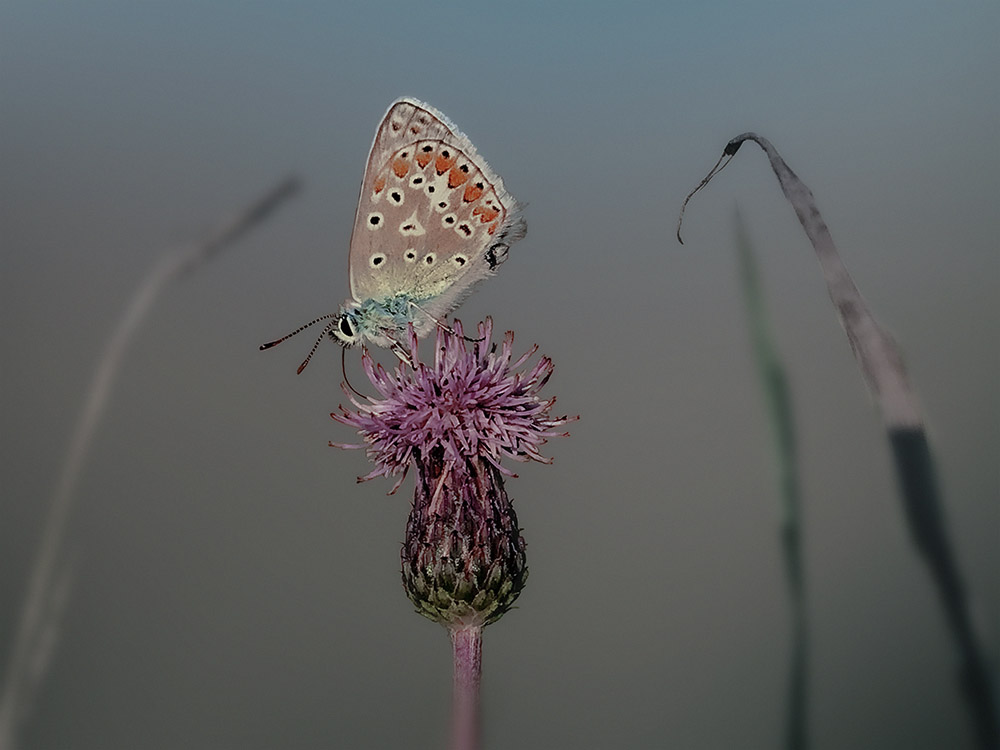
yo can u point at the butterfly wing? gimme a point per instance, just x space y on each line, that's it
433 218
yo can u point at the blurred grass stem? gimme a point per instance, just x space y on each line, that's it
24 667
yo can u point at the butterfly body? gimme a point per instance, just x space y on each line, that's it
379 322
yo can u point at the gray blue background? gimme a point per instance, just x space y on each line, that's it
234 587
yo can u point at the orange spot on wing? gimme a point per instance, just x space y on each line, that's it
493 228
379 185
423 158
456 177
486 214
472 193
442 164
400 168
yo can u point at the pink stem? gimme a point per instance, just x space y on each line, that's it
467 647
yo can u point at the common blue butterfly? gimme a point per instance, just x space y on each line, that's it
433 220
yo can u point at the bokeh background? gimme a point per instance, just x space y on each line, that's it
234 587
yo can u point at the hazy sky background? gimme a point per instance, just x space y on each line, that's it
234 587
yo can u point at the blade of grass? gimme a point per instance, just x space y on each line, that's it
31 646
778 405
882 368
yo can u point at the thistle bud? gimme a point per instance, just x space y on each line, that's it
456 421
463 557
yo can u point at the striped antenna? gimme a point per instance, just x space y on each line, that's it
326 329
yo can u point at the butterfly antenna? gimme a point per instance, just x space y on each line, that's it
343 369
326 329
712 172
300 329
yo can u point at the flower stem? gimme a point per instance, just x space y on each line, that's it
467 648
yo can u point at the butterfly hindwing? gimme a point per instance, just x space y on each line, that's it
433 219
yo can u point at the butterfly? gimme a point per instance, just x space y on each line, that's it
433 220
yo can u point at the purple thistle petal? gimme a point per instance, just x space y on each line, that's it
473 401
346 446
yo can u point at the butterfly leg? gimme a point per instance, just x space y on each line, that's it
440 324
404 356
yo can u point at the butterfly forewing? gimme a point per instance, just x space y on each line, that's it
433 218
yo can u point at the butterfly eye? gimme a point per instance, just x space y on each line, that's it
460 260
396 196
449 220
430 258
377 260
464 229
375 220
410 255
345 327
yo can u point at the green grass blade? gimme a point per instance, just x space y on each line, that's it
778 405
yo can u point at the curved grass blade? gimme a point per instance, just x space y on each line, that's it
882 368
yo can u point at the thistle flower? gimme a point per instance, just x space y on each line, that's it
456 421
